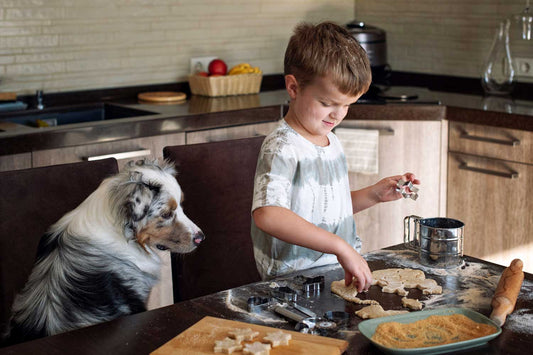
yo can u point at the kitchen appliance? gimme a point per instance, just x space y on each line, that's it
374 42
439 241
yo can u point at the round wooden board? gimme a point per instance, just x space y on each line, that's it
162 96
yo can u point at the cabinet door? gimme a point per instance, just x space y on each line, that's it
404 146
220 134
15 161
124 151
492 198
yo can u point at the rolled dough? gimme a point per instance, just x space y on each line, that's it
348 293
376 311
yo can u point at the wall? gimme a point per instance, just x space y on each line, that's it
66 45
451 37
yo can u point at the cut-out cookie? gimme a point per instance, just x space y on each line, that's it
376 311
278 338
429 287
390 280
227 345
348 293
241 334
411 303
257 348
395 287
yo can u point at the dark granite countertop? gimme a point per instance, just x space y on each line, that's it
201 113
468 286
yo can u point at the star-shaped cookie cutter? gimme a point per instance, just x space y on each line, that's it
407 189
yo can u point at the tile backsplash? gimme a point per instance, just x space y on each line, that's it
450 37
67 45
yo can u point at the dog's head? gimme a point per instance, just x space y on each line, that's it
149 199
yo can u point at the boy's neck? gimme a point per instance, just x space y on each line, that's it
292 121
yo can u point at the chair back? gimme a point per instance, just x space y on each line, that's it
31 201
217 180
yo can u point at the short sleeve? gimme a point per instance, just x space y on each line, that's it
275 171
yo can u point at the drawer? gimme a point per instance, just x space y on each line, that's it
220 134
494 142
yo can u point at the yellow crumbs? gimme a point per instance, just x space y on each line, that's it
432 331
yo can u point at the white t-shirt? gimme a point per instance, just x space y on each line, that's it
310 180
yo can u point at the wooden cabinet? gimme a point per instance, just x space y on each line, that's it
15 161
218 134
490 180
123 151
404 146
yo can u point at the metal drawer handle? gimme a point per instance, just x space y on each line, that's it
511 175
123 155
382 131
512 142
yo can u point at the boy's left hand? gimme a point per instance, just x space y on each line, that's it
385 189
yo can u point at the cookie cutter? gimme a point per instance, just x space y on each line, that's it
257 304
312 286
316 325
407 189
340 318
284 293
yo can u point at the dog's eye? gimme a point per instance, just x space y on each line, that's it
167 215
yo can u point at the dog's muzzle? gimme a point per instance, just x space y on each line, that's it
198 238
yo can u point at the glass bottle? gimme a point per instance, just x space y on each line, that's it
498 72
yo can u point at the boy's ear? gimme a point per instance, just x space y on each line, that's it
292 85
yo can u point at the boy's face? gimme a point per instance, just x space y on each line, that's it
316 109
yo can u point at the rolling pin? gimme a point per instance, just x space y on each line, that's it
507 292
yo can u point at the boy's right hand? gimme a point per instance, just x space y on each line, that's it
355 268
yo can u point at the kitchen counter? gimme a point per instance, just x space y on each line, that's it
470 286
201 113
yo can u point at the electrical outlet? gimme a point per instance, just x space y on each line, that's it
200 63
524 66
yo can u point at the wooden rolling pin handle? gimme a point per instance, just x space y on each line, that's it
507 291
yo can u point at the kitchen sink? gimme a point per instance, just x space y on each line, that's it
68 115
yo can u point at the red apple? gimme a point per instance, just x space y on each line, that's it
202 73
217 67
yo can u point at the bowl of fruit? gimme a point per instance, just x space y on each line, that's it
240 79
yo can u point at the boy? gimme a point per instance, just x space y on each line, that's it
303 207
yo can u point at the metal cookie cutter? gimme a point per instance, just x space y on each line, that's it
312 286
407 189
258 304
284 293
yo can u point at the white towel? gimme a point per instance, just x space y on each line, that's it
360 148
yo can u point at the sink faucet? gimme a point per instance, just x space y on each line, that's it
39 95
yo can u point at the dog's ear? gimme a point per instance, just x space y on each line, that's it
140 196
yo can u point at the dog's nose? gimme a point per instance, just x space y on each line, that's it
198 237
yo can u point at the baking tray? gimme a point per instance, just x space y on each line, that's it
368 327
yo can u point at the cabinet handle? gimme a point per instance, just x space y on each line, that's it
510 175
123 155
512 142
382 131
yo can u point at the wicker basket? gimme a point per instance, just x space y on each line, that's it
226 85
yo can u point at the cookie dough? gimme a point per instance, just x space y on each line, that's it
227 345
241 334
411 303
348 293
396 280
257 348
278 338
376 311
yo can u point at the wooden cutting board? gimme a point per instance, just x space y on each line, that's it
161 96
200 339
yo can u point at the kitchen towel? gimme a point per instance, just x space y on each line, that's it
361 148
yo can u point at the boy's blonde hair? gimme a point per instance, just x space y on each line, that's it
328 49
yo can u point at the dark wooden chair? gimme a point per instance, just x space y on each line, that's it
31 201
217 180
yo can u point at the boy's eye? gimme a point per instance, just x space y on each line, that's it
325 104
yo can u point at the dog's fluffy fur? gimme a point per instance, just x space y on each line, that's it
97 262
